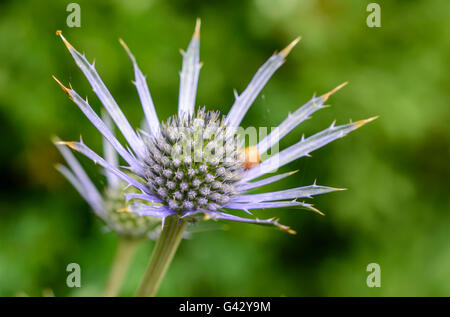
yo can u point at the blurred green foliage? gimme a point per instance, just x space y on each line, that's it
395 213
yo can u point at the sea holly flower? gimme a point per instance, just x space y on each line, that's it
194 166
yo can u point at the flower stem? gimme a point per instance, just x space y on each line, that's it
163 253
126 249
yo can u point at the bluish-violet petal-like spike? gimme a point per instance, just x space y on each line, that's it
294 119
248 186
299 192
144 94
303 148
146 197
262 205
190 71
145 210
102 127
262 76
75 166
91 199
110 153
82 148
106 98
78 170
273 204
263 222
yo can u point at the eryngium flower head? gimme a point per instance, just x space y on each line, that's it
193 165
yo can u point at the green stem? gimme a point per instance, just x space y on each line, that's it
163 253
125 251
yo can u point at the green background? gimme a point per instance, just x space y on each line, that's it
396 212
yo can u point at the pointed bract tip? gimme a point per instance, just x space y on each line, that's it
360 123
70 144
59 33
250 156
125 46
328 94
122 42
317 211
285 51
288 230
198 22
64 88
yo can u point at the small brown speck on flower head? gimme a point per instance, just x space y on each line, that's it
251 157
